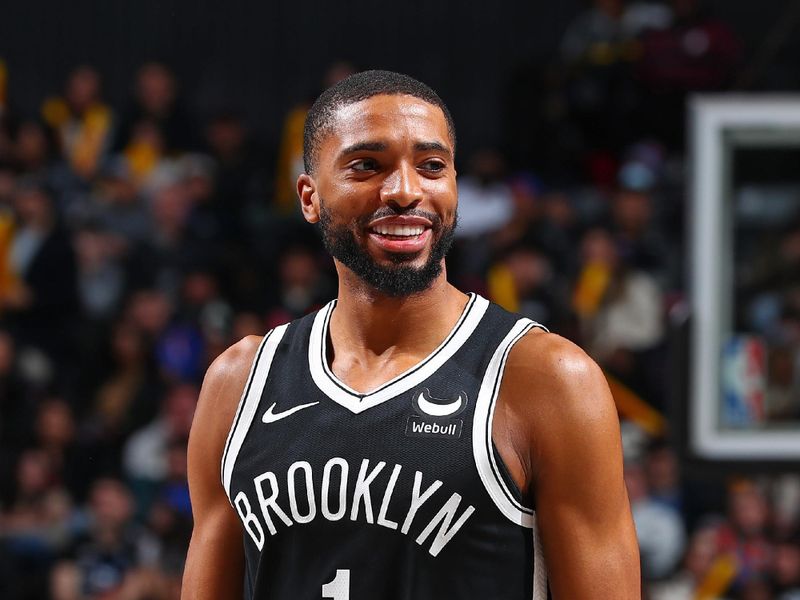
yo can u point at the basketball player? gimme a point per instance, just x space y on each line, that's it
408 441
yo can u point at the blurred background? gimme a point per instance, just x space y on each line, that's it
148 219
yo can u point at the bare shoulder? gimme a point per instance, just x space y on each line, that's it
233 365
223 386
236 358
216 408
553 384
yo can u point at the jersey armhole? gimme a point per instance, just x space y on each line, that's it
248 404
491 469
505 474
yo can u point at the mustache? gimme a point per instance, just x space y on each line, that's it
389 211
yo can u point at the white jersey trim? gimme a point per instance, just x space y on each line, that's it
357 402
485 461
539 566
248 403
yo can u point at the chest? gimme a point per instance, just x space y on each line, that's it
426 427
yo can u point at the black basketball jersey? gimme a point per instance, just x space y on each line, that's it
396 494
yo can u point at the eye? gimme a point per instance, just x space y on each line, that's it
433 165
364 164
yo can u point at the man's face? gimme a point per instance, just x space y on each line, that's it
385 192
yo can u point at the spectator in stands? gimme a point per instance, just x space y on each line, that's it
36 527
786 568
128 394
659 527
486 208
149 310
785 496
32 150
174 241
240 181
663 475
170 518
148 462
181 352
111 547
144 160
485 200
205 308
521 281
43 293
697 566
155 101
634 213
542 219
744 535
301 286
101 277
55 435
81 121
562 226
198 174
620 307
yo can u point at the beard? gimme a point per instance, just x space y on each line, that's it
399 278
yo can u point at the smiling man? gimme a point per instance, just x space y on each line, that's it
407 441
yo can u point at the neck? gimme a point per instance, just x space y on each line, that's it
368 321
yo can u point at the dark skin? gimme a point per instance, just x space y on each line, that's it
555 425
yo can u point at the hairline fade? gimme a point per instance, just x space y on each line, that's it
356 88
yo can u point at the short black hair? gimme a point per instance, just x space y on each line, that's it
356 88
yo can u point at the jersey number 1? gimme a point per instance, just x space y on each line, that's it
339 588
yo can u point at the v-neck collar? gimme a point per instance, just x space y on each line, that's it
358 402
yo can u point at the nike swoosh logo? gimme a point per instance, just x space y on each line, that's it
439 410
270 416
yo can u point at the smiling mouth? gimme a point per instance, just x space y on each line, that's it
398 232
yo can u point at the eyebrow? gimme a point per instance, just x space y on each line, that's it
364 146
383 146
435 146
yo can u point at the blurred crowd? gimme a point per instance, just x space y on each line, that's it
137 242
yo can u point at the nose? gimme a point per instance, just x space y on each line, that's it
402 188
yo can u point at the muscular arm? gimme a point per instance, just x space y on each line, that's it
215 563
559 418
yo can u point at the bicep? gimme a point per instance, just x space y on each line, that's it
582 509
215 562
586 528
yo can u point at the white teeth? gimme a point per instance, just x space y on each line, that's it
399 230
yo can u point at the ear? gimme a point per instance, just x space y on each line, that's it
309 200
